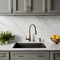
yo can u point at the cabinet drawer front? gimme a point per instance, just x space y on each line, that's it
4 55
29 55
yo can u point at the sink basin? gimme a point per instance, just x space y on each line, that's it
29 45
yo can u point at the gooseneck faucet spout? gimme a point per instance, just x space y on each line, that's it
30 31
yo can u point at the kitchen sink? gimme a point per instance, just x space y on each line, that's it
29 45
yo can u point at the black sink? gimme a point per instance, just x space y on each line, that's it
29 45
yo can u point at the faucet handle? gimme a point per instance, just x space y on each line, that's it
27 38
39 39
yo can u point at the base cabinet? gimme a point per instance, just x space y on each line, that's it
55 56
4 55
29 55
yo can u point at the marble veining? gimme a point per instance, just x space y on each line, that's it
19 25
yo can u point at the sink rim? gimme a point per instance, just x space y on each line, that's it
42 44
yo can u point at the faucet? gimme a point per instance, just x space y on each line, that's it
30 31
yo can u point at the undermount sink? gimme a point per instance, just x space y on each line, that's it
29 45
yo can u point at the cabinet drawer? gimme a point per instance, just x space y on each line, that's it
29 55
4 55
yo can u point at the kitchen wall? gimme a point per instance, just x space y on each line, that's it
19 26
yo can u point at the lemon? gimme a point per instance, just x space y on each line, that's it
57 37
53 36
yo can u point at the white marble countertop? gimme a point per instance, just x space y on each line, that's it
19 25
49 47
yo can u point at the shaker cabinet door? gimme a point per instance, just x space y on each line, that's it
38 6
5 6
53 6
55 56
29 6
19 6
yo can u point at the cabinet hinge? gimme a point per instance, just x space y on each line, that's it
46 9
11 10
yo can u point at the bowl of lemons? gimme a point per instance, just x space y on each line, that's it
55 38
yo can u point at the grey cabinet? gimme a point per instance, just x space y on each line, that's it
4 55
19 6
29 55
29 6
53 6
5 6
55 56
38 6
